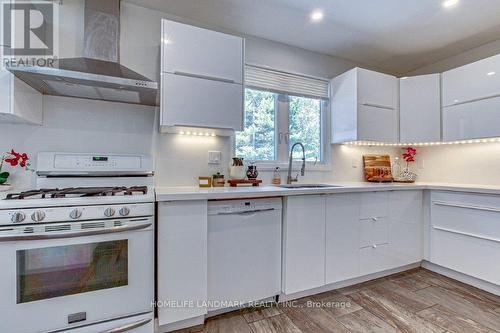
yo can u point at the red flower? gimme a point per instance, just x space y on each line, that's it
409 155
15 158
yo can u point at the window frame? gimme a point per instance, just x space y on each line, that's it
282 146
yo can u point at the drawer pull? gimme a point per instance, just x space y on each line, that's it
451 204
467 234
373 105
374 246
374 219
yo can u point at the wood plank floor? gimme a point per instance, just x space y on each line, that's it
414 301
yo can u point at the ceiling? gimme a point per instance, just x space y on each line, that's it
397 36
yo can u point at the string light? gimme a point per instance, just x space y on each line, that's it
419 144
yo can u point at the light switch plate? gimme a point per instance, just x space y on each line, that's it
214 157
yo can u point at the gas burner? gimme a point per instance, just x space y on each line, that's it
78 192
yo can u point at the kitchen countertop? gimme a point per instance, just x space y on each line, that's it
180 193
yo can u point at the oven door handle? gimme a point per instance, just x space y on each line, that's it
128 327
55 235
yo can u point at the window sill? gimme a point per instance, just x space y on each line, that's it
310 166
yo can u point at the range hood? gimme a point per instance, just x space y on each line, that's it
98 73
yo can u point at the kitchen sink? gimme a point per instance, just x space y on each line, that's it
307 186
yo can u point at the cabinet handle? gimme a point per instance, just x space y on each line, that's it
378 106
457 205
206 77
467 234
374 246
374 219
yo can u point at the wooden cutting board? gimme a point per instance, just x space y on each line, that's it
377 168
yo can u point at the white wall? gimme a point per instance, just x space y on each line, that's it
78 125
466 164
472 55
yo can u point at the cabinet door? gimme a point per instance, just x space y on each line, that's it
304 243
196 51
342 237
188 101
471 82
182 259
473 120
405 228
420 108
377 124
377 89
5 91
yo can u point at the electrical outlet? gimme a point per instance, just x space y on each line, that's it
354 163
214 157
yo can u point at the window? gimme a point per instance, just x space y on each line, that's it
258 140
274 122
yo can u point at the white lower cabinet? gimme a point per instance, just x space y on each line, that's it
303 243
348 235
465 234
182 260
342 237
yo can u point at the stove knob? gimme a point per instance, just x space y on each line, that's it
38 216
75 214
124 211
18 217
109 212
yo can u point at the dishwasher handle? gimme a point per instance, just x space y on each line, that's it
247 212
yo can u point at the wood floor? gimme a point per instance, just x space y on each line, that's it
414 301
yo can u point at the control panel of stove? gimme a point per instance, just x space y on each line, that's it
60 214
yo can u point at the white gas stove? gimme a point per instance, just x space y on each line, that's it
77 253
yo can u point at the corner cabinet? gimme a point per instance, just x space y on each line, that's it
420 108
364 107
201 78
471 100
19 103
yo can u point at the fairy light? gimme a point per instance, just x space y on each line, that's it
420 144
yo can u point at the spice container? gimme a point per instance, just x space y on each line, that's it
276 176
218 180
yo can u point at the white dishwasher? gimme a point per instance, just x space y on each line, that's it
244 251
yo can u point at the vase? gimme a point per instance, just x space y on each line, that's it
252 172
407 175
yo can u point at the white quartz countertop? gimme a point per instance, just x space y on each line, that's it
180 193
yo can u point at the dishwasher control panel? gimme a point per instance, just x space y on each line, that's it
235 206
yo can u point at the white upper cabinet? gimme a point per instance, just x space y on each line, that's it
19 103
199 52
202 78
420 108
364 107
472 82
471 101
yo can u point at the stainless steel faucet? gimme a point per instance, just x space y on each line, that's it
289 178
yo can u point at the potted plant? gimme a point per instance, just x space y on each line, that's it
15 159
409 157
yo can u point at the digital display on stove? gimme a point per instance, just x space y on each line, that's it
99 159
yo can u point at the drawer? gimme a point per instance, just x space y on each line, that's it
374 204
469 255
373 231
471 215
374 259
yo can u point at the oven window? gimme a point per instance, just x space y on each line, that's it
73 269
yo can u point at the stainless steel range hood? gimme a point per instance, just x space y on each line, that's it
98 73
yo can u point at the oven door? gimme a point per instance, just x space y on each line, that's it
64 275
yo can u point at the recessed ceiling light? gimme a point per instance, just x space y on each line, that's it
449 3
491 73
317 15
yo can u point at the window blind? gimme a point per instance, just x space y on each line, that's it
286 83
